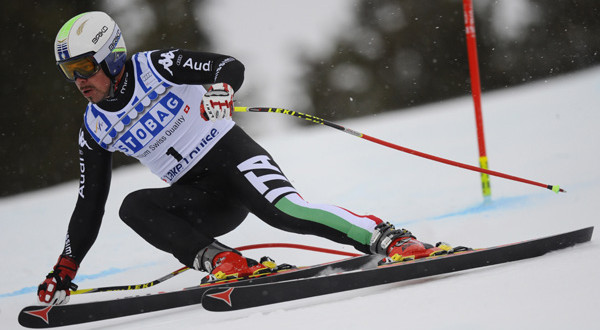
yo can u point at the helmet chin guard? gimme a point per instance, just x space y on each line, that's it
96 33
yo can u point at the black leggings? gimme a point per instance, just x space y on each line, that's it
236 177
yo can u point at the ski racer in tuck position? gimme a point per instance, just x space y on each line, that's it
153 106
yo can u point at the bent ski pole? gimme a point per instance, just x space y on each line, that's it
321 121
183 269
133 286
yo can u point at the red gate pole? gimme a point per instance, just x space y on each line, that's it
476 92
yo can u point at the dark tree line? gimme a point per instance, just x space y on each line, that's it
407 52
400 53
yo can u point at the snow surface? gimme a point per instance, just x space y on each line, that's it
543 131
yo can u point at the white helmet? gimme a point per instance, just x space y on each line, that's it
87 43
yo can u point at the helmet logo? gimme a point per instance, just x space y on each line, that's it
99 35
113 44
80 28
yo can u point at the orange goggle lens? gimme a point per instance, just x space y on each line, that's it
83 67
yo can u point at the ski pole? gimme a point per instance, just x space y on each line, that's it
183 269
321 121
132 286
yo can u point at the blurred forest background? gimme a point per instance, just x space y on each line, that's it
399 53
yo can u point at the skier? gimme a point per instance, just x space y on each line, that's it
153 107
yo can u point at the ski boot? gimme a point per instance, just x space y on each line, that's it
223 263
399 245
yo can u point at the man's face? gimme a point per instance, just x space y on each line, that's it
94 88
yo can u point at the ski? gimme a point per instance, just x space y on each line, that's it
69 314
236 298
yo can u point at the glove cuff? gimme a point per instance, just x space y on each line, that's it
222 86
66 266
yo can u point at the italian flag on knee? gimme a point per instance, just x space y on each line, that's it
357 227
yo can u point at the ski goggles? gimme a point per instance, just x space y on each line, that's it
82 66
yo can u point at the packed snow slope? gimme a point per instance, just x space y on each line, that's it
544 131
